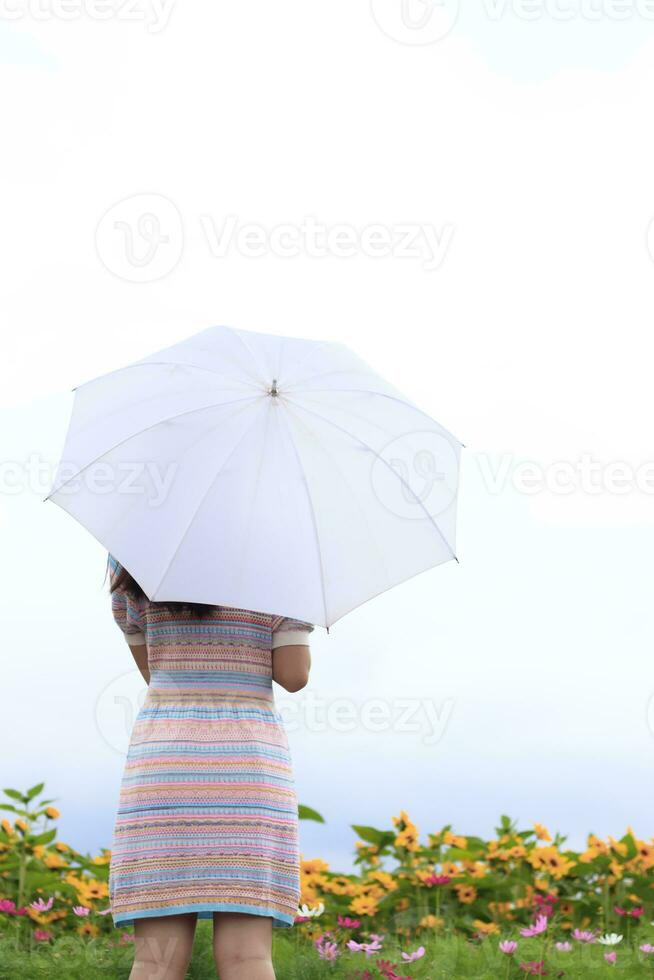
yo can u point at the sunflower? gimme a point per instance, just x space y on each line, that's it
549 859
364 905
466 893
408 838
486 928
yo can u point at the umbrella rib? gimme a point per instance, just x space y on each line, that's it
205 435
326 374
147 428
204 497
238 334
381 458
313 517
314 350
360 508
195 367
383 394
248 533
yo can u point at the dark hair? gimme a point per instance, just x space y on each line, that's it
125 582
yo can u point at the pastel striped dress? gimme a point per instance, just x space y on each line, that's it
207 816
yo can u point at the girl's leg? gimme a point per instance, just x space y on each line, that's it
242 946
163 945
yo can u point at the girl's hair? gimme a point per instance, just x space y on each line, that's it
124 582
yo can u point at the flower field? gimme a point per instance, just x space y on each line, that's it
442 906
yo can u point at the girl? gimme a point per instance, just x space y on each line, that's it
207 820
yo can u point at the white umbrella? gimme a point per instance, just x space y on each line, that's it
261 472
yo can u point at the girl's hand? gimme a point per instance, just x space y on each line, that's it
291 665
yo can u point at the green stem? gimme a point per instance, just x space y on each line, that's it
22 866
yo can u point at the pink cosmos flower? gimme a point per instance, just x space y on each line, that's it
436 881
563 947
368 948
410 957
387 970
41 906
634 913
7 906
534 968
328 951
548 899
42 935
539 926
646 948
545 905
346 923
610 957
583 936
508 946
127 937
81 910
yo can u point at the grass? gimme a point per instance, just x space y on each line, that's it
80 958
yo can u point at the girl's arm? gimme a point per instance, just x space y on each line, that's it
140 654
291 665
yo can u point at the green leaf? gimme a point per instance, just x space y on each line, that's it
34 791
380 838
44 838
306 813
14 794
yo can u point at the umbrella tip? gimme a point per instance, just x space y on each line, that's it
456 559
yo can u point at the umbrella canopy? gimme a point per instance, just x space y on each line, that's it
261 472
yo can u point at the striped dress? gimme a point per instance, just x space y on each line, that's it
207 815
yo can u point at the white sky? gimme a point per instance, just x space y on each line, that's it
525 146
